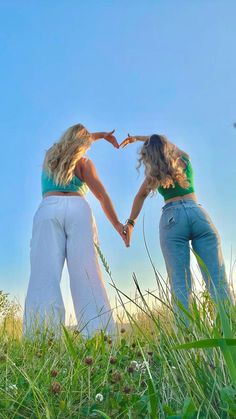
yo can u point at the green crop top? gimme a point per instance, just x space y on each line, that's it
177 190
75 185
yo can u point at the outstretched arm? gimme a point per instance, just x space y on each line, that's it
133 138
107 136
91 178
136 209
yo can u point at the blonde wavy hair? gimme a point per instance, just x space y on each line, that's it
60 160
161 160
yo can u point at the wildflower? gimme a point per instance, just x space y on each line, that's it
127 390
130 369
56 387
109 340
54 373
116 376
99 397
150 353
88 360
133 345
134 365
144 366
122 330
113 360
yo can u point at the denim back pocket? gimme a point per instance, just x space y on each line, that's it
169 218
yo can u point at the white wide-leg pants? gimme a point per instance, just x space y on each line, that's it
64 228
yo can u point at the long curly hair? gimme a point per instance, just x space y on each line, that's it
161 160
60 160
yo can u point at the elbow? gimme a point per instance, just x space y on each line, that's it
141 196
102 197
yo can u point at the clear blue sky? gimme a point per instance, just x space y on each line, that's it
140 67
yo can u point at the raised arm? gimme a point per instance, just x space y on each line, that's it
133 139
90 176
135 211
108 136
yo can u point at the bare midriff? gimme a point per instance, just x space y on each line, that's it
187 196
56 193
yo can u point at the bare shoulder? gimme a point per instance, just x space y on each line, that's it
83 166
83 162
87 169
87 163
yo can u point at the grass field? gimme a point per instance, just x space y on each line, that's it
159 366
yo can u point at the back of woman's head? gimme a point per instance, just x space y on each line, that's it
61 158
161 160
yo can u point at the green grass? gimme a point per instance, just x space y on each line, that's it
159 366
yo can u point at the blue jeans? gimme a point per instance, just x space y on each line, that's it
186 221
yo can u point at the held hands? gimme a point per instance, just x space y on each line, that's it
125 231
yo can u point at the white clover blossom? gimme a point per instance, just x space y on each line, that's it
135 365
99 397
144 365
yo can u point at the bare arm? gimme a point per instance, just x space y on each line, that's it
133 139
108 136
91 178
139 200
136 209
142 137
97 135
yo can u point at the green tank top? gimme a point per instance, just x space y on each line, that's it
177 190
75 185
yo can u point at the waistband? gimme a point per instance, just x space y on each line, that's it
181 202
56 199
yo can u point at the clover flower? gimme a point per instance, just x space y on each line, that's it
54 373
88 360
56 387
144 365
135 365
99 397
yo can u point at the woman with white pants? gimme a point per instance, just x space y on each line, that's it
64 229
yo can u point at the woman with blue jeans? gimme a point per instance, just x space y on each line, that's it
183 219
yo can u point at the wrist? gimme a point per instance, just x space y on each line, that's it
130 221
117 224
